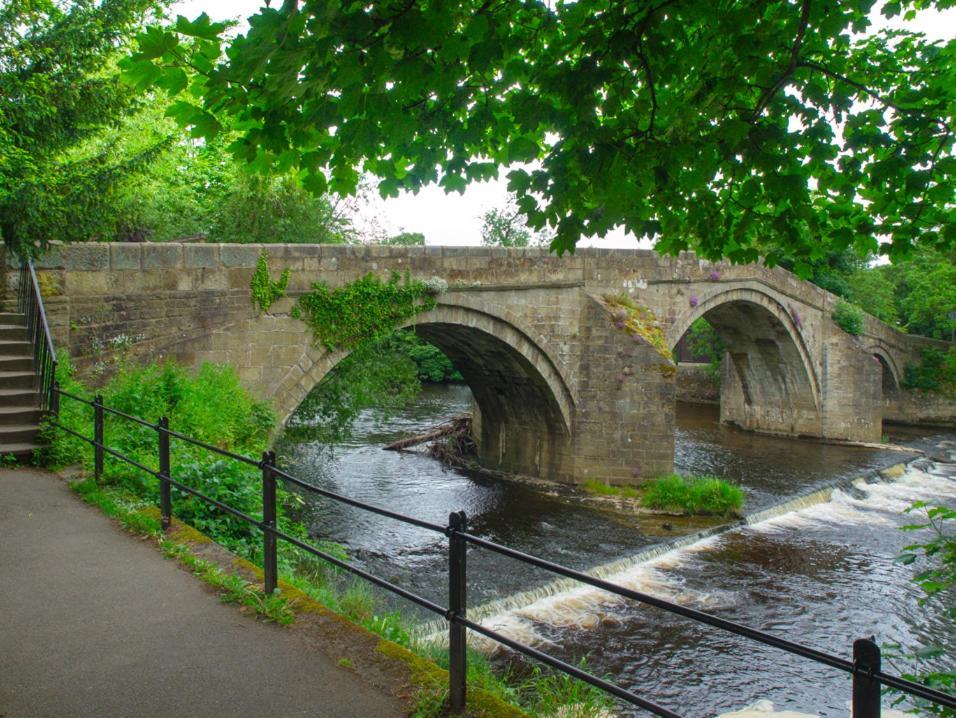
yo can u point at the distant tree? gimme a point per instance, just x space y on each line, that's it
505 227
926 294
59 87
406 239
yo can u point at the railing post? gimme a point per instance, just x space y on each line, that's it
270 559
98 437
866 690
457 607
165 495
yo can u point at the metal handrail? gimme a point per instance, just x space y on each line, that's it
865 666
30 304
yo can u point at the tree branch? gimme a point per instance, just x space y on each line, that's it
870 92
784 78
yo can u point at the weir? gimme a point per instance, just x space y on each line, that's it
510 607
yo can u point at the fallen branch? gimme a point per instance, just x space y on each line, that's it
453 426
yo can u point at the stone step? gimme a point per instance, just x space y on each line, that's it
22 450
19 397
20 414
17 379
9 347
14 318
16 363
18 433
13 332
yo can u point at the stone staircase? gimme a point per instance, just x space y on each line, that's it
20 410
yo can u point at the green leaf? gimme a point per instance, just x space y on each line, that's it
200 27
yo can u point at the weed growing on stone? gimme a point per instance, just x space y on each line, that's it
696 495
597 487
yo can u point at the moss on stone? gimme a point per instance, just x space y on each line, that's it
640 321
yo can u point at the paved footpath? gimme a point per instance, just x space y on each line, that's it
94 622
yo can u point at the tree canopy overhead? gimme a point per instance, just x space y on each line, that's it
731 129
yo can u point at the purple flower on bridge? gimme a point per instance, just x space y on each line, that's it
714 276
694 300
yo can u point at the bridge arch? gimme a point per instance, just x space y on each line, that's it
768 380
524 403
891 372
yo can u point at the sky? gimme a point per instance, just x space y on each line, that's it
455 219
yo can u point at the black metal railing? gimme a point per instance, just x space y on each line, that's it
30 304
864 666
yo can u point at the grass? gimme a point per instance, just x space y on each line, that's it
696 495
601 489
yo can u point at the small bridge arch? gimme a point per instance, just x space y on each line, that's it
891 373
769 379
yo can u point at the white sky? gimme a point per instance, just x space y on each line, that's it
456 218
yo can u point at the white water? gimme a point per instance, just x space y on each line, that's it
566 604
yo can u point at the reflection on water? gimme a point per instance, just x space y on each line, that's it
823 575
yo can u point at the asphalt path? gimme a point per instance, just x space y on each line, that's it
94 622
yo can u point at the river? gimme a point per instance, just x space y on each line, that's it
822 574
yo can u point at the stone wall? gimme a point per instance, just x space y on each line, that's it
696 384
928 408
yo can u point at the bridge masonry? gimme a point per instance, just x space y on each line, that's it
563 392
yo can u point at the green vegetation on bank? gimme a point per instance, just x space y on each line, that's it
692 495
594 486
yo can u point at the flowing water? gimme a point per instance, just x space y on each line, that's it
820 570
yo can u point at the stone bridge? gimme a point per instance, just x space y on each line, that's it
563 391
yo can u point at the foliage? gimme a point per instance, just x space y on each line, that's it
601 489
272 209
505 227
849 317
727 146
211 406
935 372
58 89
829 270
639 321
703 341
926 291
379 374
937 578
430 363
703 495
875 289
406 239
365 309
265 290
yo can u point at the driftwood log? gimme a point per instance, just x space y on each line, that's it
455 426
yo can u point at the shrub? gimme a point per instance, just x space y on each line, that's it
848 317
704 495
211 406
936 371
